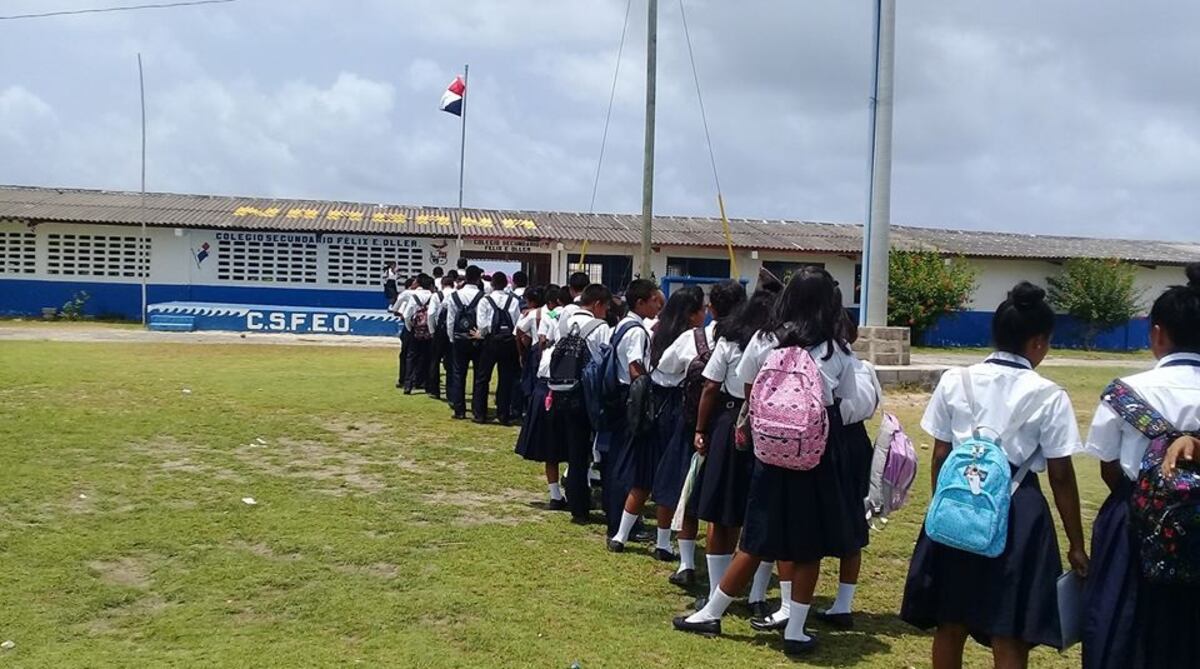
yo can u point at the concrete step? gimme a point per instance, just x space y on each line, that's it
172 323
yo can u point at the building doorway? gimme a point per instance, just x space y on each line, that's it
535 265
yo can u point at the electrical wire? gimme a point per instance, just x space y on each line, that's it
105 10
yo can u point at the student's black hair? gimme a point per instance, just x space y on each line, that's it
847 329
675 319
390 264
617 310
639 290
535 297
474 275
425 281
1023 315
452 274
750 317
447 281
565 297
499 281
552 289
807 311
520 279
594 293
438 272
462 264
1177 311
578 281
725 297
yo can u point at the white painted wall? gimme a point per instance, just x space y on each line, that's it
998 275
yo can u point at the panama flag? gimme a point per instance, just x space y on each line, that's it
452 99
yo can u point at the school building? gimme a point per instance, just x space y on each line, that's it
301 265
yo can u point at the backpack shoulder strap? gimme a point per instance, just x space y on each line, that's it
457 300
969 390
1130 406
591 327
476 299
622 330
701 339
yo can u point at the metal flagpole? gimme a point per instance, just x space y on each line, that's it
648 164
143 255
462 151
876 230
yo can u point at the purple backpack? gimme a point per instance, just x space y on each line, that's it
788 423
893 470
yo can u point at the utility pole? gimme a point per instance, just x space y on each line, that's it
144 242
877 230
648 163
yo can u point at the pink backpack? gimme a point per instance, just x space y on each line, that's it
893 470
788 422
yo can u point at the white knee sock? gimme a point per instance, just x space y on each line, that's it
717 603
795 626
845 599
785 603
627 522
687 554
762 581
556 491
717 566
664 539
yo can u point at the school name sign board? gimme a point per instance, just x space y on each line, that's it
423 219
280 319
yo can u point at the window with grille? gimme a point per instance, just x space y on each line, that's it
266 260
17 252
357 265
97 255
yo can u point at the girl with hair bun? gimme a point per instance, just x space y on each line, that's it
1130 622
1008 602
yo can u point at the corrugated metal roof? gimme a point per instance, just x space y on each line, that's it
242 213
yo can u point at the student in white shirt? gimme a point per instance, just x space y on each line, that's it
622 469
724 482
390 291
794 516
683 312
1131 622
682 365
396 308
462 331
441 354
497 316
569 421
520 284
418 314
1010 602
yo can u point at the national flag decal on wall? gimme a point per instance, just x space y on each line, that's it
452 99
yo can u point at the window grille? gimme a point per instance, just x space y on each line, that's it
18 252
267 261
356 265
97 255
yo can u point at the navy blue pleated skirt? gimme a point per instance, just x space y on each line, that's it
678 440
855 471
537 441
1014 595
801 516
724 482
1110 591
529 379
638 461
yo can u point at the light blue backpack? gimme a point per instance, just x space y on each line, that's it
969 510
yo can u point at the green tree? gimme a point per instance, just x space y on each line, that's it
923 286
1101 294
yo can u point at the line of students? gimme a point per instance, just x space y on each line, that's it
463 325
758 514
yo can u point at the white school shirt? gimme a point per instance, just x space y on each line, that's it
837 371
416 299
861 405
530 323
1000 391
518 292
595 340
560 327
401 301
488 306
633 347
1173 390
465 294
443 298
722 368
673 365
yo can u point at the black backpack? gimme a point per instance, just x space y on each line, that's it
693 381
570 357
503 329
440 325
465 319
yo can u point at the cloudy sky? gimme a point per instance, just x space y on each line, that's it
1065 117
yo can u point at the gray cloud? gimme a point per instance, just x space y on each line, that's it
1070 117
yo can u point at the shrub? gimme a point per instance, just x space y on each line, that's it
923 286
72 310
1100 294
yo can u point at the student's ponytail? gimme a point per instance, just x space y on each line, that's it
1177 312
1021 317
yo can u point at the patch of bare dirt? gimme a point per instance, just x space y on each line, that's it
505 507
111 620
127 572
264 551
380 570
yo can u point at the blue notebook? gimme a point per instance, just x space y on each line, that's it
1070 608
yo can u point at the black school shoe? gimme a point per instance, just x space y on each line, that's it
581 520
842 621
683 579
760 609
707 628
557 505
766 624
663 555
797 648
615 546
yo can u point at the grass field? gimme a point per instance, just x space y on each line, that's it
384 533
